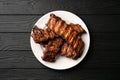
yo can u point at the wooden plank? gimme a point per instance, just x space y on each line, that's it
17 23
15 41
48 74
15 51
18 59
21 41
24 23
102 23
95 59
44 6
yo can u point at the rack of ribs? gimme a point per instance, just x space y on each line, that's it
52 49
74 44
61 28
69 32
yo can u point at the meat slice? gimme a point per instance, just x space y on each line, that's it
52 49
40 35
68 50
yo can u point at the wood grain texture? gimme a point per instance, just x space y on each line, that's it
24 23
21 41
17 61
15 41
15 51
95 59
44 6
48 74
17 23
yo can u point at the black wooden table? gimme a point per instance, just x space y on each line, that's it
17 18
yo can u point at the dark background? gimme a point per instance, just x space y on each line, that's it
17 18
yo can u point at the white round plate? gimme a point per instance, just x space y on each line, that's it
62 62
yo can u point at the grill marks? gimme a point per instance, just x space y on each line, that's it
70 33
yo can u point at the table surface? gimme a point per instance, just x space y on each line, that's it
17 18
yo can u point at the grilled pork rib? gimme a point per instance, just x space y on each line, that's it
40 35
52 49
69 32
60 27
